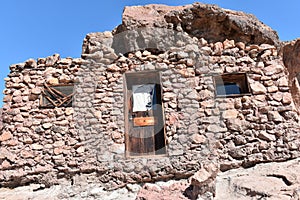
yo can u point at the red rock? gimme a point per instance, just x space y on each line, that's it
6 135
209 22
172 190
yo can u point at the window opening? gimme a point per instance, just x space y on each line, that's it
229 85
57 96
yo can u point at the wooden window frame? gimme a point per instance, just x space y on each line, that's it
241 79
62 100
127 106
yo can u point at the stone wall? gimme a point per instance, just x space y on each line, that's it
36 141
45 145
1 123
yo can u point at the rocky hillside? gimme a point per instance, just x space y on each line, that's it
200 20
265 181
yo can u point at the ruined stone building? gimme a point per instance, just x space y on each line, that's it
171 92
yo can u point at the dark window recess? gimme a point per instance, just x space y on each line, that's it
144 117
57 96
229 85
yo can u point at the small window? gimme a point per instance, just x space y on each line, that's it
229 85
144 116
57 96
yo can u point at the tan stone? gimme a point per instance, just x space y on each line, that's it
167 96
117 148
59 144
47 125
31 62
198 139
215 128
258 88
7 98
218 48
52 81
240 45
205 94
17 99
228 44
58 151
5 165
287 98
273 69
116 135
227 114
12 142
64 79
27 79
69 111
272 89
37 146
274 116
277 96
80 149
113 68
63 122
282 82
27 154
266 136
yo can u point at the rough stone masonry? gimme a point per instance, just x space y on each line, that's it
205 129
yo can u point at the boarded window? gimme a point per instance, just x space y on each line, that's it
229 85
57 96
144 117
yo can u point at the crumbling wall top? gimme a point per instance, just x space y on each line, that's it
200 20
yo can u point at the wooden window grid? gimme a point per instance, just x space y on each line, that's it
57 96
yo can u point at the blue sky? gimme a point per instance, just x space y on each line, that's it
39 28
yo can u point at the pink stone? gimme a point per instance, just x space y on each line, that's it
6 135
227 114
5 165
228 44
58 151
287 98
36 91
258 88
218 48
198 139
